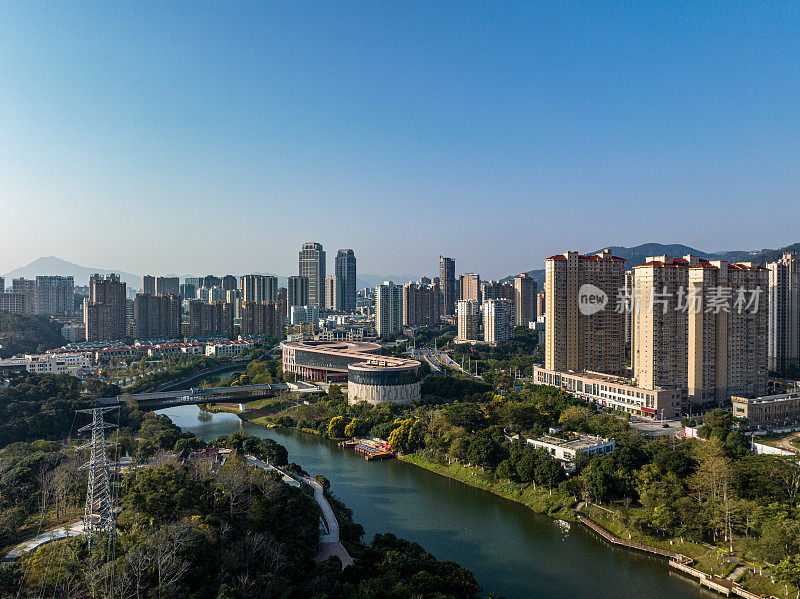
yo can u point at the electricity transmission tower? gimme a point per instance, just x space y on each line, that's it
98 515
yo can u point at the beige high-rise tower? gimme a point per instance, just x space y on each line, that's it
700 326
659 327
727 347
575 340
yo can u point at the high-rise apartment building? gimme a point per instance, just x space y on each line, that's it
524 300
388 308
583 339
213 319
312 266
700 326
2 285
421 305
210 281
55 295
26 288
188 291
157 316
783 338
168 286
333 293
498 321
659 352
469 320
727 346
149 285
447 284
104 310
470 287
228 282
259 288
629 315
540 304
263 319
345 270
296 292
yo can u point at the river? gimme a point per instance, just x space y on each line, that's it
511 550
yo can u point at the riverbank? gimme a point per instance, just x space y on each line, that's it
708 561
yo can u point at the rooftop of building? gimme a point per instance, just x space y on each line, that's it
575 441
766 398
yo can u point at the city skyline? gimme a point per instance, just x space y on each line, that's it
275 121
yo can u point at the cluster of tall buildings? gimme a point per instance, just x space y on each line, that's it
47 295
703 327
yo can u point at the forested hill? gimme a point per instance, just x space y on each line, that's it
27 334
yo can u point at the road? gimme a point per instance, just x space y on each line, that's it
63 532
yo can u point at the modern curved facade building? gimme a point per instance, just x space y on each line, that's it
370 377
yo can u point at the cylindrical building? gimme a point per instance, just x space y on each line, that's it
380 379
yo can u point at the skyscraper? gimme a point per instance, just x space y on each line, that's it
421 304
469 320
498 321
149 285
55 295
157 316
447 282
700 326
470 287
312 266
104 310
333 293
524 300
228 282
388 308
345 270
727 348
167 286
783 345
259 288
296 292
210 281
579 339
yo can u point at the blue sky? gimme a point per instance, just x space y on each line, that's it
218 137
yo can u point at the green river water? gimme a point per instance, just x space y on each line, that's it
511 550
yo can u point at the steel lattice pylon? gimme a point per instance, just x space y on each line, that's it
99 512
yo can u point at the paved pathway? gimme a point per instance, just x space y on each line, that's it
329 543
62 532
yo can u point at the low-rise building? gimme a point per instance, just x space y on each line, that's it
230 349
613 392
77 364
770 411
565 450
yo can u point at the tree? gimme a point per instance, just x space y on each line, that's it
336 427
787 571
406 437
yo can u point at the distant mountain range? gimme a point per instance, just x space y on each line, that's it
50 265
638 254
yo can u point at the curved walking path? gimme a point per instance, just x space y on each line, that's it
329 543
55 534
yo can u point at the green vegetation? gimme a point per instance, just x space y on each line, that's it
20 334
189 531
43 406
175 369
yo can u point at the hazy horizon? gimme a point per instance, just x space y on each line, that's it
172 138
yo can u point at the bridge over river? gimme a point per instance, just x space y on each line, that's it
199 395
